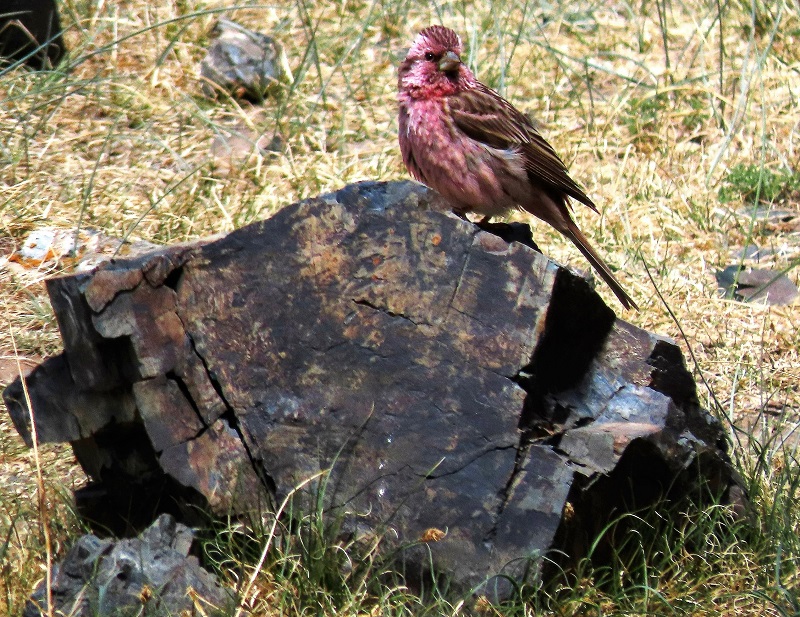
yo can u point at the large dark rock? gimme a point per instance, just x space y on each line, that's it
30 31
462 391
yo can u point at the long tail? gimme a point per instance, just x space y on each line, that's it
578 239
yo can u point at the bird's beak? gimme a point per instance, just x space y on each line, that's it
449 62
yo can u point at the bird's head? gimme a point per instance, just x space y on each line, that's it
433 64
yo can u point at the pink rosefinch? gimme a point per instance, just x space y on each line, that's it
477 150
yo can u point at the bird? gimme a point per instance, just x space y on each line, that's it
479 152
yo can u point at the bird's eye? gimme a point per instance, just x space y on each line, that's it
429 56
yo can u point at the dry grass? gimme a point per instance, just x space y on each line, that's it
651 105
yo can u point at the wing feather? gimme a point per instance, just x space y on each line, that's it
486 117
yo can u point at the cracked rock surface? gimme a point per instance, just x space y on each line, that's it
448 380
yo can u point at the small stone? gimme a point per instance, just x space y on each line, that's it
757 285
236 146
108 577
245 64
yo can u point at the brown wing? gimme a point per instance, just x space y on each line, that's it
488 118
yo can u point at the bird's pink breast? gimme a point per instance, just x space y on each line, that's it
470 175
